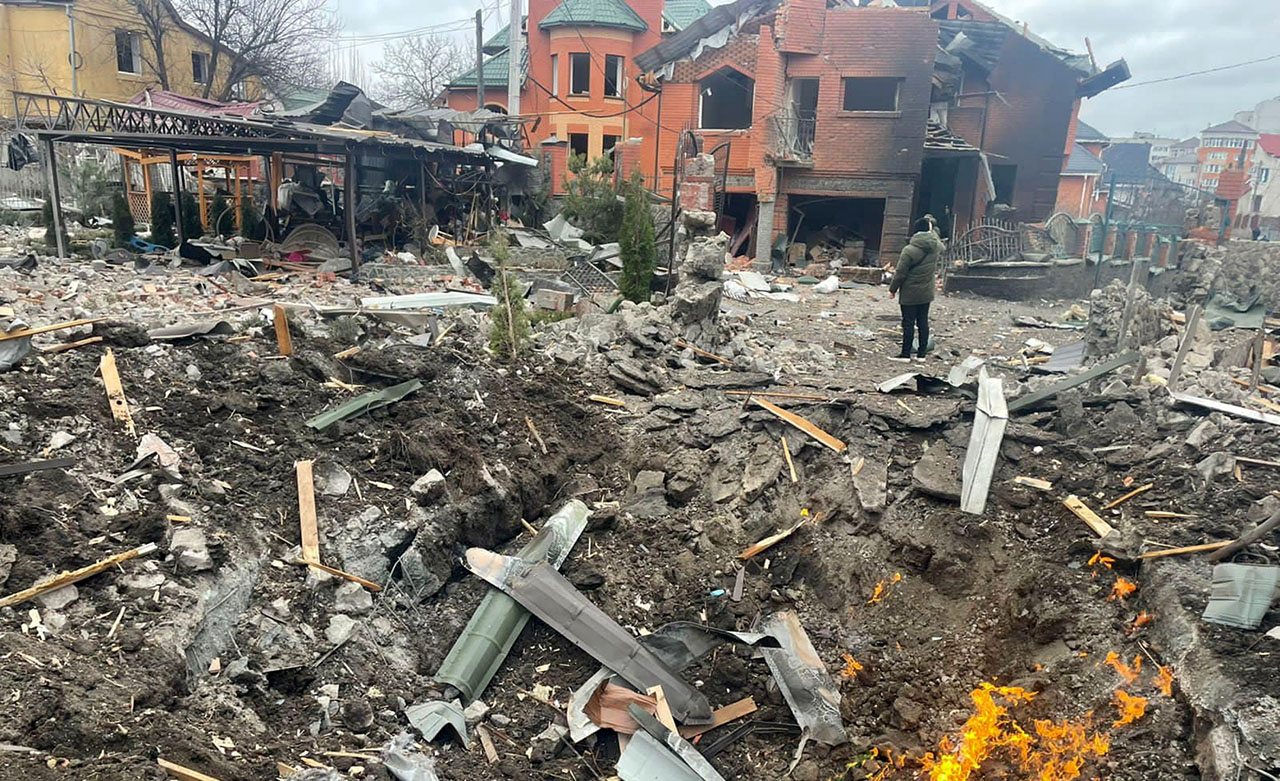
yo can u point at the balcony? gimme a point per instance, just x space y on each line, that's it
793 139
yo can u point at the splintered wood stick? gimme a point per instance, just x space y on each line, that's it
369 584
1157 554
347 353
1166 515
62 348
183 773
699 351
538 437
786 453
75 576
284 340
1135 492
606 400
779 395
44 329
1257 461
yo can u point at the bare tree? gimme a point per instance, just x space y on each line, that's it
415 70
280 42
157 22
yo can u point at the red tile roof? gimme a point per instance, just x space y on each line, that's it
1270 144
163 99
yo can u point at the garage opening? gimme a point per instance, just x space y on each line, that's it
834 228
738 220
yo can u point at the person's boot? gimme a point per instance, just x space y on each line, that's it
901 357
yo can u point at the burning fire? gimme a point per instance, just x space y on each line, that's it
882 588
1122 589
1142 620
1130 707
1164 680
851 667
1057 751
1128 673
1099 559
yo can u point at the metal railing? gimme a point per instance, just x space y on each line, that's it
795 134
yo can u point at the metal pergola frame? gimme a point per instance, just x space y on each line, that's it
54 118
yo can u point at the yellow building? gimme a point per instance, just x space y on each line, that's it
111 42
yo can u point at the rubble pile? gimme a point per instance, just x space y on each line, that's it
1148 319
740 482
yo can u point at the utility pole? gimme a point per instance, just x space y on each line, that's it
479 60
514 43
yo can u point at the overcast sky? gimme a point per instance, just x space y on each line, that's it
1158 38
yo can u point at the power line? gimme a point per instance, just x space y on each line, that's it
1198 73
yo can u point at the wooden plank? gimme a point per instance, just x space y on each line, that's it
804 425
1071 382
369 584
307 512
183 773
1193 321
1258 341
284 340
1222 406
1164 514
44 329
115 392
1265 390
1082 511
791 467
606 400
1157 554
62 348
75 576
1142 489
719 717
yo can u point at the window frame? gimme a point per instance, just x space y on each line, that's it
615 68
586 152
574 59
846 82
134 39
555 75
702 96
204 59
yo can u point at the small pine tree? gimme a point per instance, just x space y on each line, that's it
591 200
219 220
636 242
192 226
51 236
509 322
122 220
162 220
250 221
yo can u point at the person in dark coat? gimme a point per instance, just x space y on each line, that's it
914 282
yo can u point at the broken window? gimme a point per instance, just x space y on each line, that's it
1004 176
727 99
871 93
613 78
579 74
610 142
555 75
128 52
199 67
578 144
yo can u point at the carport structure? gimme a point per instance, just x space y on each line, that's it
430 164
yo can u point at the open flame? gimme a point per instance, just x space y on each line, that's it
1127 672
1057 751
1164 680
1099 559
851 667
882 588
1122 589
1130 707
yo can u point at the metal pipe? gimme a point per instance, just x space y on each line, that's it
513 60
71 58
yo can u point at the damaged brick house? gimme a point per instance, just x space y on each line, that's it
829 117
862 119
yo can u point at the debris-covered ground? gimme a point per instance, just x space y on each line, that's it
219 652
